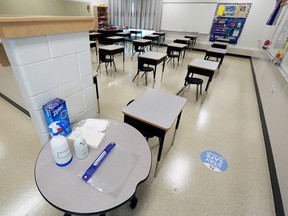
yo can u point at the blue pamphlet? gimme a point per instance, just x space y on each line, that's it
89 172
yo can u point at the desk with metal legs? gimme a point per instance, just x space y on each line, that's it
216 53
157 111
153 58
154 38
116 39
204 68
111 50
161 36
64 189
193 38
140 45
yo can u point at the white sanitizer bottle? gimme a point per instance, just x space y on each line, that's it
59 146
80 145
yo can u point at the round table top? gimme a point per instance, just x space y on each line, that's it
115 181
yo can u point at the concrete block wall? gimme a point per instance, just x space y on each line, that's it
51 66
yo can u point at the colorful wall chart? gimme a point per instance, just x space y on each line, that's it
229 20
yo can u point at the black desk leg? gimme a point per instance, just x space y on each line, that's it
97 92
163 67
176 127
161 139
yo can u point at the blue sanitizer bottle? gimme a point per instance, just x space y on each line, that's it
59 146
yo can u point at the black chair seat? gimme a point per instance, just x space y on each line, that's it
145 69
193 80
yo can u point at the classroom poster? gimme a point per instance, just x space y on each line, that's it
229 20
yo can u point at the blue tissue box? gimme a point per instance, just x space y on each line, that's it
56 110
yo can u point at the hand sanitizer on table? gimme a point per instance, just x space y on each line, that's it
80 145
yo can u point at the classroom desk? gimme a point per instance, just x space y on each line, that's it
183 40
178 47
129 163
154 58
220 45
140 43
116 39
113 50
94 35
107 33
161 35
153 38
193 38
217 53
136 32
204 68
125 34
158 111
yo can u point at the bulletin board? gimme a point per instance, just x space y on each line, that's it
229 20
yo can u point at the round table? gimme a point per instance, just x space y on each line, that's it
64 188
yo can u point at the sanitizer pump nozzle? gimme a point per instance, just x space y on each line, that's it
59 146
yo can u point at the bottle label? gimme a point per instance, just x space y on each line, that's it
63 154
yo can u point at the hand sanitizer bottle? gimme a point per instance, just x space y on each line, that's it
59 146
80 145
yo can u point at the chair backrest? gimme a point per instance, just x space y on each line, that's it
138 48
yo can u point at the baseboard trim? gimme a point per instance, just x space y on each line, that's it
15 104
278 204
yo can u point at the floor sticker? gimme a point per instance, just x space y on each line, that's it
214 161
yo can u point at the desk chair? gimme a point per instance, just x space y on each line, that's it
171 54
103 59
145 69
190 80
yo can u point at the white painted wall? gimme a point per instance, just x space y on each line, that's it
47 67
254 25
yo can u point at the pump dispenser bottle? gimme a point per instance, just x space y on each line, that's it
59 146
80 145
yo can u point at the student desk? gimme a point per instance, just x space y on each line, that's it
217 53
93 35
113 50
193 38
126 35
158 111
136 32
183 41
139 45
161 35
116 39
178 47
221 45
64 189
204 68
153 38
153 58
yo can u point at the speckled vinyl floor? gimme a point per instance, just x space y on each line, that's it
226 121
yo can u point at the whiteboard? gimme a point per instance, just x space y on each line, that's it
188 16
